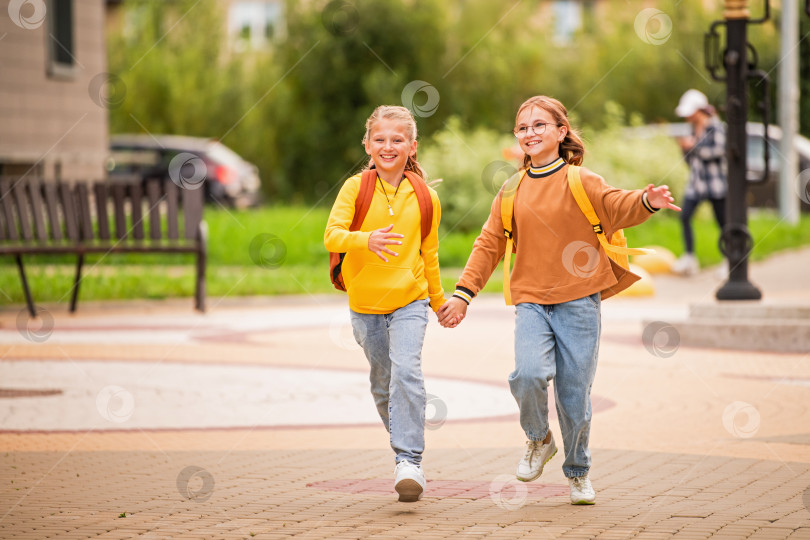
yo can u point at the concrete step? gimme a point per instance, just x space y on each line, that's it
748 310
750 326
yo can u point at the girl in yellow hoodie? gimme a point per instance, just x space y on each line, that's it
391 276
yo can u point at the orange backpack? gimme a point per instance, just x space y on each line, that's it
361 206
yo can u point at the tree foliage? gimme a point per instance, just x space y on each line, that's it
298 109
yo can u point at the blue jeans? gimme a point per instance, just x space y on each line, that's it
689 206
560 342
393 347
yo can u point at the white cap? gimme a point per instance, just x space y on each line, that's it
691 102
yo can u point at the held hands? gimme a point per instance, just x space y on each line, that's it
452 312
660 197
380 239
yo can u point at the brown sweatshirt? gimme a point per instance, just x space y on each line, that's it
558 256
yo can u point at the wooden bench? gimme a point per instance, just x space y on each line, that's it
39 217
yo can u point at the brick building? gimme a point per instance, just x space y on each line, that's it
53 117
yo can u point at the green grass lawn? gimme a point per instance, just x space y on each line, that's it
279 250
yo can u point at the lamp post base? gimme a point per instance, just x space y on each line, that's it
738 290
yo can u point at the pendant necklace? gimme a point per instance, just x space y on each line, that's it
390 210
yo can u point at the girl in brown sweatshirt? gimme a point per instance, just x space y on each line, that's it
559 279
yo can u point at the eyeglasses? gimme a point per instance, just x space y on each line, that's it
538 127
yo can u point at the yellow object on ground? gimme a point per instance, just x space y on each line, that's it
659 262
643 287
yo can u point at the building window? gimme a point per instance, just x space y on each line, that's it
567 20
62 60
254 25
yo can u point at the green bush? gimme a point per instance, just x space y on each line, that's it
472 168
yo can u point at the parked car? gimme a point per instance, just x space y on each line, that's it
766 193
761 193
226 178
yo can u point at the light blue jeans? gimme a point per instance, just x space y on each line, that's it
560 342
393 347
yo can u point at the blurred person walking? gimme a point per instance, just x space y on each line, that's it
389 291
705 153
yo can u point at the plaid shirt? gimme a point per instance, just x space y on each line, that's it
707 164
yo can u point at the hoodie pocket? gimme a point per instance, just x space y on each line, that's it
380 288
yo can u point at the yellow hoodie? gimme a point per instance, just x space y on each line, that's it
375 286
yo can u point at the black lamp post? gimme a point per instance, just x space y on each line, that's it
739 61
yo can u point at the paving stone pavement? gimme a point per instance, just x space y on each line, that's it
146 420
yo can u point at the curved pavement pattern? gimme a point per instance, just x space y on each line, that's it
146 420
173 395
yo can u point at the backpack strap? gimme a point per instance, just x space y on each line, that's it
425 202
575 183
507 211
363 201
361 205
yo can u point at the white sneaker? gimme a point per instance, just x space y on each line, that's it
723 270
536 456
410 481
686 265
581 490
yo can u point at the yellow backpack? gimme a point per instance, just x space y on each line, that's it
615 247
